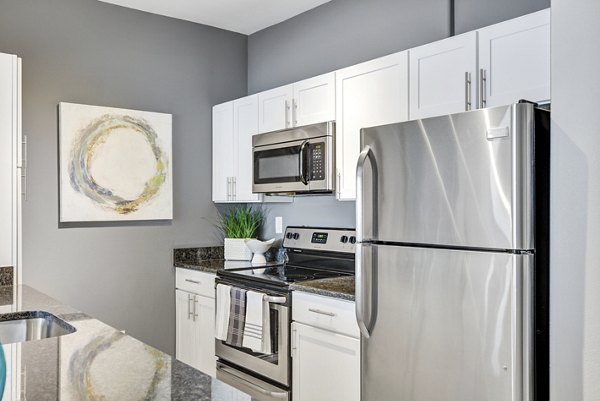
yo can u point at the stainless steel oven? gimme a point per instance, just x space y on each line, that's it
235 363
298 160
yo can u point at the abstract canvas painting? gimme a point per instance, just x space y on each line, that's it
115 164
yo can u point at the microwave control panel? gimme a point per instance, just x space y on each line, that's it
317 156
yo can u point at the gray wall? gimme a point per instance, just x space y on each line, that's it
345 32
575 202
85 51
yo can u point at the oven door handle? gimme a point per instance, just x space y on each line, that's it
254 386
303 177
274 300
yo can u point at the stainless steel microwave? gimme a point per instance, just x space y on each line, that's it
295 161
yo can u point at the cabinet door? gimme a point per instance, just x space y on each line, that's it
245 124
8 136
274 109
443 76
184 327
367 94
204 334
314 100
223 163
514 59
325 365
195 331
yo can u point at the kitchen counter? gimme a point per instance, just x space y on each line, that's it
337 287
98 362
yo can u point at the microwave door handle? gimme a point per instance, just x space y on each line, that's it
303 177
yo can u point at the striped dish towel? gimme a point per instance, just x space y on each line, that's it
257 326
237 317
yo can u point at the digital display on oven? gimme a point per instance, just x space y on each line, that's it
319 238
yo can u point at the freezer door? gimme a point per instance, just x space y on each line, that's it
460 180
445 325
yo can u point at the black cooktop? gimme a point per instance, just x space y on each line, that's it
282 275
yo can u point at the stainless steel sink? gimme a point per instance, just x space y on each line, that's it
28 326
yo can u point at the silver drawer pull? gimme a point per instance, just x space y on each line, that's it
320 312
275 300
192 281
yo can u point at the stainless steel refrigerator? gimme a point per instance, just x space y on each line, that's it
452 262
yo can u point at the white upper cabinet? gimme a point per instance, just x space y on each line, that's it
443 76
368 94
10 174
306 102
514 60
314 100
275 109
245 124
234 123
223 164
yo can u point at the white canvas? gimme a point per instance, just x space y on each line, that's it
115 164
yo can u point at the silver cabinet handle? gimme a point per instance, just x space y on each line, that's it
190 313
274 300
482 88
337 184
256 387
193 281
195 315
295 112
228 188
287 110
467 91
24 159
234 187
321 312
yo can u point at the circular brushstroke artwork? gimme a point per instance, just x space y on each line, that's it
117 161
109 163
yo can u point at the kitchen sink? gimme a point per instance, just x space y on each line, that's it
29 326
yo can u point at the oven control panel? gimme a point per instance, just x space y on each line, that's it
322 239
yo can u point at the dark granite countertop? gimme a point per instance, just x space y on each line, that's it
214 265
98 362
337 287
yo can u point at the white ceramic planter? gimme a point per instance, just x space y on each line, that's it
236 249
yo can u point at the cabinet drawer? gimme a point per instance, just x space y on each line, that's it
194 281
327 313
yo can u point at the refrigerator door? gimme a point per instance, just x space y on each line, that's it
462 180
444 325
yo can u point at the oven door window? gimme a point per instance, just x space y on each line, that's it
277 165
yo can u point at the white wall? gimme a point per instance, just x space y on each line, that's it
575 216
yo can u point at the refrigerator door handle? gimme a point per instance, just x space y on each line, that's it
366 288
366 154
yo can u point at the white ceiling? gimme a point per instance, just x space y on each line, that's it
243 16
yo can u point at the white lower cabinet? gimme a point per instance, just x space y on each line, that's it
325 349
195 328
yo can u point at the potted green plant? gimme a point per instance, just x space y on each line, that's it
238 224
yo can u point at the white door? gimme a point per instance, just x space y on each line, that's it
443 76
367 94
275 109
8 137
314 100
223 163
204 334
325 365
184 327
195 331
245 124
514 60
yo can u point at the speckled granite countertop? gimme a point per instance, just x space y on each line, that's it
337 287
98 362
211 259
